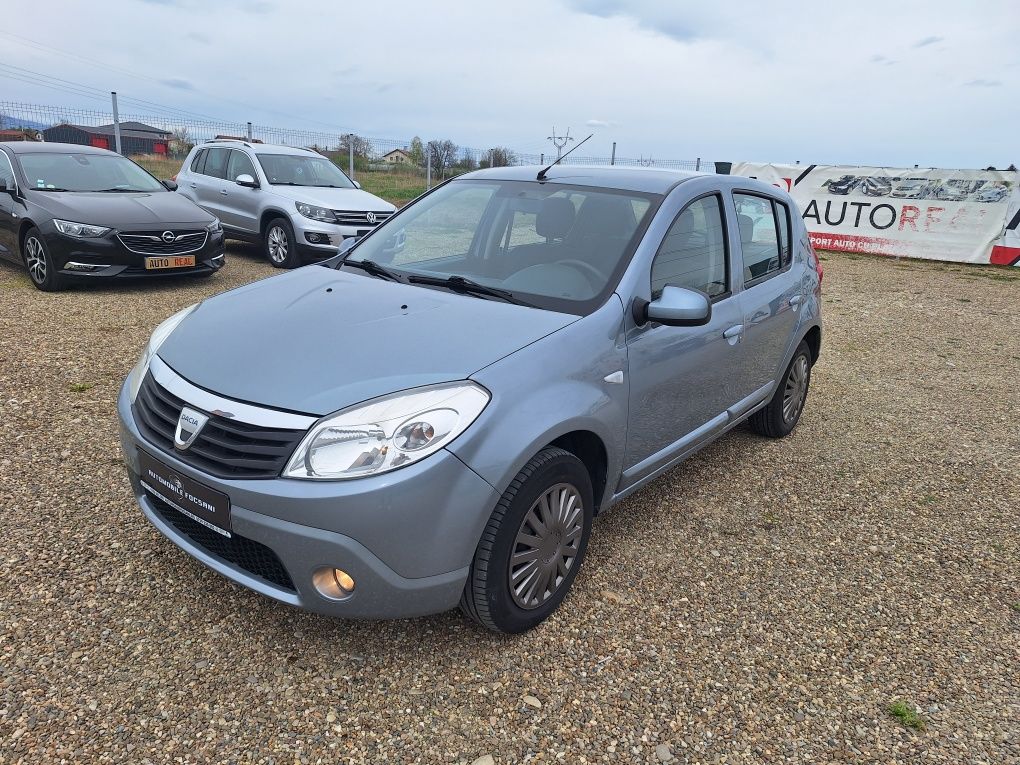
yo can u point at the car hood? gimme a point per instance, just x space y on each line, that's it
316 340
138 211
334 199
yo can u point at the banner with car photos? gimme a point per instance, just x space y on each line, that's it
968 216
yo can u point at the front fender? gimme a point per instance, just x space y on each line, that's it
550 388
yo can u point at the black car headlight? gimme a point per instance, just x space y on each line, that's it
80 230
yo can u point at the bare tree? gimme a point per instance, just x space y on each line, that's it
362 146
442 154
499 156
180 142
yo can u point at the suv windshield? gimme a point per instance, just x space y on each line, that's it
300 170
49 171
555 246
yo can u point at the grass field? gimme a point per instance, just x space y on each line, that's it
396 187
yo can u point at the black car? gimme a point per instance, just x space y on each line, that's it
72 212
844 185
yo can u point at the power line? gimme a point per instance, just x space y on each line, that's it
559 141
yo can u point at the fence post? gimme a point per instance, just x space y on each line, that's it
249 132
350 155
428 168
541 158
697 165
612 159
116 121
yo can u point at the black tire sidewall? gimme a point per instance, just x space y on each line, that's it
52 282
505 613
781 426
293 258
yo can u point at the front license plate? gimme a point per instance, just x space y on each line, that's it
174 261
209 507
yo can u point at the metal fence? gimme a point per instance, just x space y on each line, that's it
172 134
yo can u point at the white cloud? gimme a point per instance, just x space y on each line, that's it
675 80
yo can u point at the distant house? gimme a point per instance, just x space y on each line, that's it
397 157
20 134
135 137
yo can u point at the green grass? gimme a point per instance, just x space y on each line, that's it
1016 606
81 387
906 715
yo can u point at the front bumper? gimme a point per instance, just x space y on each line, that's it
72 257
406 537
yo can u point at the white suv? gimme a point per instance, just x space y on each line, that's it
295 202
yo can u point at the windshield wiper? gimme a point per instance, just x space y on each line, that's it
117 191
47 188
373 268
462 284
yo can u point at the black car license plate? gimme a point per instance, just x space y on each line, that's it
209 507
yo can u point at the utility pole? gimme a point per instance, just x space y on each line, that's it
350 155
249 132
559 141
612 160
116 121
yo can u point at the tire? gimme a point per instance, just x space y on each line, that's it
776 419
39 263
487 597
279 233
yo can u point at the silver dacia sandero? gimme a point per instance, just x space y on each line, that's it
435 415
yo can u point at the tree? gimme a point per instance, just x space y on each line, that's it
467 161
443 154
417 152
499 156
362 146
180 142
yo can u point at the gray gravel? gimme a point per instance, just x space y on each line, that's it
765 602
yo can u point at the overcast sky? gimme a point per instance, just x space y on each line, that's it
892 83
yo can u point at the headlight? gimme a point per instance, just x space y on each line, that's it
387 433
316 213
79 230
160 334
215 227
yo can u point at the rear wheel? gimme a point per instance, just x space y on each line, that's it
40 266
533 545
280 245
782 413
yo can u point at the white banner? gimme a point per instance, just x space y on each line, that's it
968 216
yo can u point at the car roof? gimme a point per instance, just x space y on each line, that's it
643 179
45 147
258 148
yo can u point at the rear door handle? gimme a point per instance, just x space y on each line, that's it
796 300
193 185
734 331
223 192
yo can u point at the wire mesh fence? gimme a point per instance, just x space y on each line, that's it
173 135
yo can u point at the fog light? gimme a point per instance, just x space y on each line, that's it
333 583
86 267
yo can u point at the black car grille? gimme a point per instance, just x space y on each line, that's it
224 447
351 218
153 243
254 557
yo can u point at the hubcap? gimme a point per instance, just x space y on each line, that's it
35 257
546 546
277 244
796 389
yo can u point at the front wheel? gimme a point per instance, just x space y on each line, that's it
41 269
782 413
532 546
280 244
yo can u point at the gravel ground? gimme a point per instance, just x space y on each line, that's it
764 602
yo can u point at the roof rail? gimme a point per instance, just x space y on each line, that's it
228 140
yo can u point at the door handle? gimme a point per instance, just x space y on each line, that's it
223 192
193 185
796 300
734 331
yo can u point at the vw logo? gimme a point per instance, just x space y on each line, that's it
168 237
370 217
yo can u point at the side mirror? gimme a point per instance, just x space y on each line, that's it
170 184
675 307
356 184
346 244
247 181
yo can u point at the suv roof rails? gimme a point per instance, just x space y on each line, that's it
228 140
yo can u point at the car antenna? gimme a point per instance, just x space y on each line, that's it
544 170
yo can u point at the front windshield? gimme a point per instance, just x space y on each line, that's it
553 245
52 171
300 170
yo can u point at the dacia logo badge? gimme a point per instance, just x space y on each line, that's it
189 425
169 237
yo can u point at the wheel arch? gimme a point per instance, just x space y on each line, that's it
23 229
588 447
268 215
813 338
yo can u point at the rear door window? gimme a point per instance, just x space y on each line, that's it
198 163
216 162
764 225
